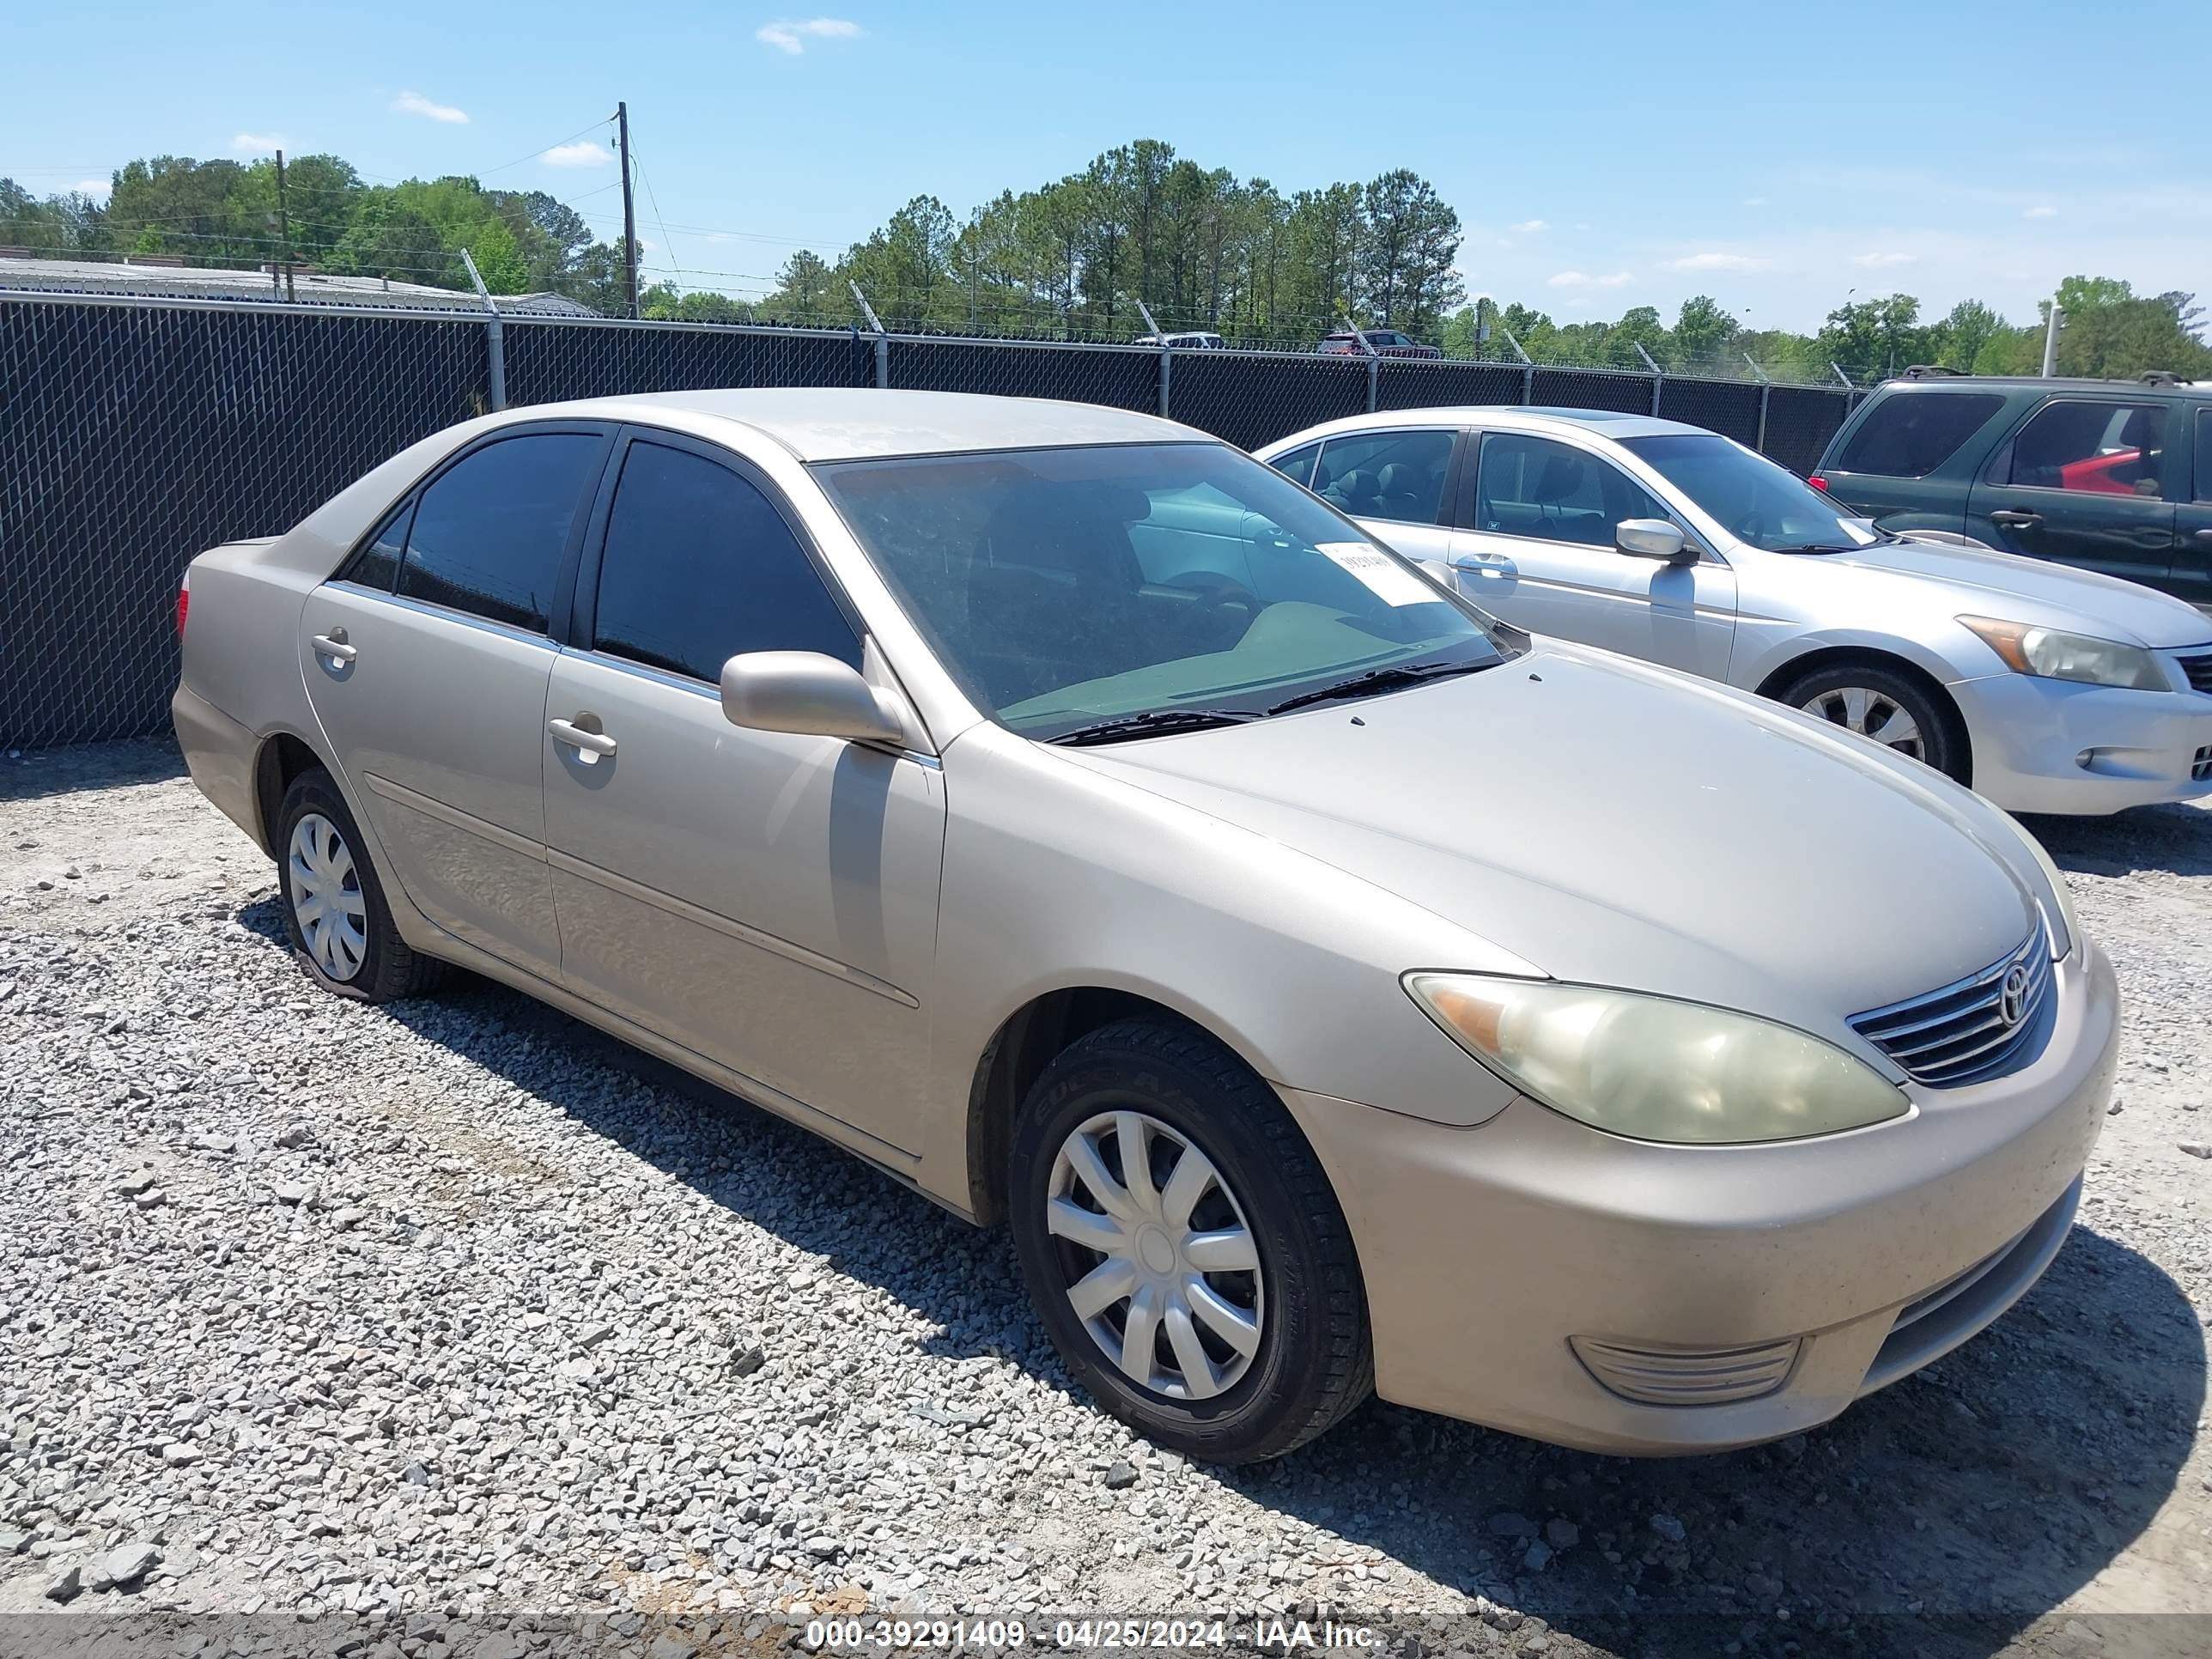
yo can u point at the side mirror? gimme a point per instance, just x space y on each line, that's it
1653 539
809 694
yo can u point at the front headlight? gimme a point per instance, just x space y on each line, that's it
2052 655
1654 1068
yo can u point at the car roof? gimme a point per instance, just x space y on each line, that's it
838 423
1539 418
2138 386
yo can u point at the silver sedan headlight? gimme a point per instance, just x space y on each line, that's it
1654 1068
2049 654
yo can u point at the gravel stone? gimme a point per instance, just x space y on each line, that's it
125 1565
2196 1148
1121 1476
65 1586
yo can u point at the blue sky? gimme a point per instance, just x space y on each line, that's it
1600 155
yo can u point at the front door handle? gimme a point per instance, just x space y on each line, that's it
591 743
2012 520
2202 537
334 645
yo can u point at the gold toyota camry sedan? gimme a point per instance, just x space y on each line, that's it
1332 987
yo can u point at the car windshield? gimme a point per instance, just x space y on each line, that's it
1065 587
1752 499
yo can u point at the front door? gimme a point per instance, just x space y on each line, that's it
1539 551
768 901
2192 575
2082 482
426 660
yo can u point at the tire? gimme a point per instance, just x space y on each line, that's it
321 867
1872 700
1311 1361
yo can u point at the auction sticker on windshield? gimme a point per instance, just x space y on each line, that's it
1383 576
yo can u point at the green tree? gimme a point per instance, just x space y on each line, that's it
1412 241
1703 333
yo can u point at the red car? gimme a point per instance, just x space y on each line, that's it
1387 341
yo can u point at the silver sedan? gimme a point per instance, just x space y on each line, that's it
2046 689
1088 827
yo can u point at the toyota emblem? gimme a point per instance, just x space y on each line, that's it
2012 1001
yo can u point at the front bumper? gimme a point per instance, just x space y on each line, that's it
1487 1251
2028 736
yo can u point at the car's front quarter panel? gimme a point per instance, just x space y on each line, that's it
1058 877
1792 605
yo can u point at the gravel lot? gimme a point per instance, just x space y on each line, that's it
311 1310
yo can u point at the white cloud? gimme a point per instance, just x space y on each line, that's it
1755 201
414 103
1878 261
260 143
2040 213
1528 226
94 187
583 153
1583 279
792 37
1717 261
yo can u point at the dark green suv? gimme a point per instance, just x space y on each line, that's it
2113 475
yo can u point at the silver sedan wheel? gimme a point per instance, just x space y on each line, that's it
324 888
1871 714
1162 1268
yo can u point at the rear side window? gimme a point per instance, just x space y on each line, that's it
700 567
489 535
1297 465
1386 474
377 565
2091 447
1909 435
2204 454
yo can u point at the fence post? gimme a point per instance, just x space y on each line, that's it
1527 368
495 340
1845 379
882 340
1167 356
1657 378
1765 391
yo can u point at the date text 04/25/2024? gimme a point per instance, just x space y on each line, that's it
899 1635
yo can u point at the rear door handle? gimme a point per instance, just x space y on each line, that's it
2202 537
334 647
1484 564
591 743
2012 520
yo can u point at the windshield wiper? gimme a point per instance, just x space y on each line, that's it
1392 678
1152 721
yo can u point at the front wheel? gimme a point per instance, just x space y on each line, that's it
1183 1248
1885 706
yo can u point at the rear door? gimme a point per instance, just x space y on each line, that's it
2192 574
1537 549
1399 484
426 660
765 899
2082 481
1907 460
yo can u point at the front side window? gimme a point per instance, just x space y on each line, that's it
700 567
1751 497
1065 586
2204 454
489 532
1398 476
1554 492
1908 434
2091 447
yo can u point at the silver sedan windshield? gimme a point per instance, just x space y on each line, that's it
1752 499
1066 586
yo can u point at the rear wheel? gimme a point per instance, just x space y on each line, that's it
1183 1248
1885 706
335 912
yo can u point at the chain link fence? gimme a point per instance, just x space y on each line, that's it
135 433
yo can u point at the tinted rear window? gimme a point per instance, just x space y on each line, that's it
489 535
1911 433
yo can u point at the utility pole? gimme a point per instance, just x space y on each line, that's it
2050 340
283 228
629 210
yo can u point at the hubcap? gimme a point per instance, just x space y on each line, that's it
324 889
1870 714
1158 1262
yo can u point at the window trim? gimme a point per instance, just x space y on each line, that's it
1316 444
1447 495
2200 492
2006 451
564 573
583 611
1465 522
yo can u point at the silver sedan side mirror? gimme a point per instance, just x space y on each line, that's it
809 694
1653 539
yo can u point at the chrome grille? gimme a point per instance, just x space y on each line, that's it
2199 670
2200 770
1965 1032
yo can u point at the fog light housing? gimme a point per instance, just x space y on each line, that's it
1687 1376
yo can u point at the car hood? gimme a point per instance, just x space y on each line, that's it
2012 588
1620 824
